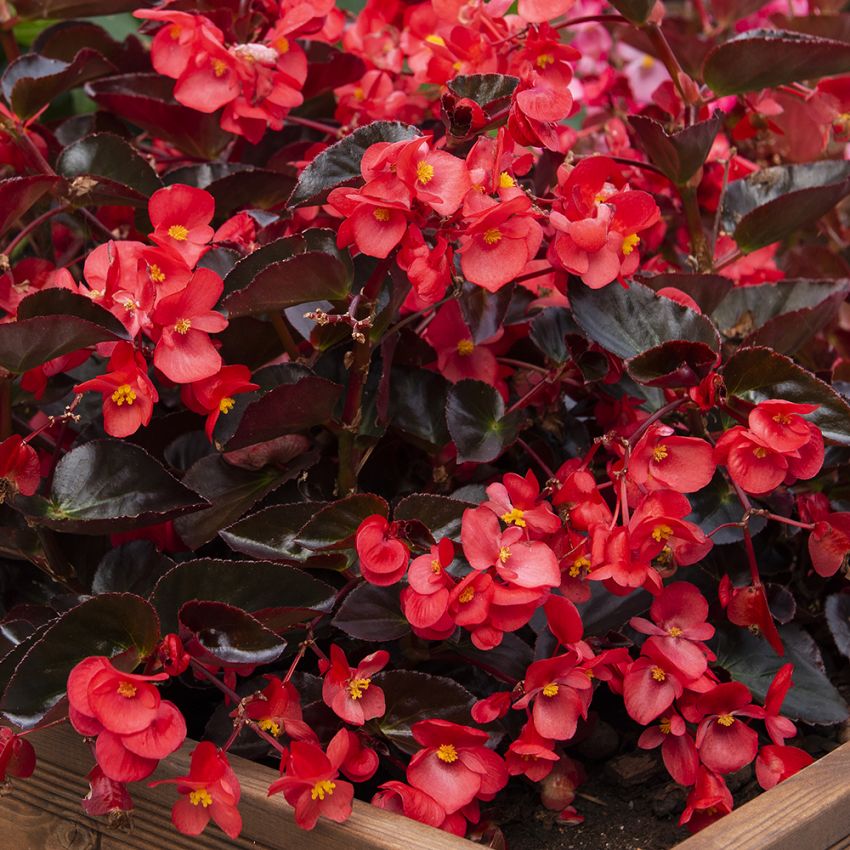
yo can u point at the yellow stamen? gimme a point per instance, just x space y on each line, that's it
492 236
630 243
658 674
579 564
447 753
660 453
359 94
466 595
381 214
218 67
506 181
124 395
174 31
282 44
725 720
156 273
465 347
435 39
435 566
550 690
545 59
504 554
760 452
424 172
178 232
357 686
182 326
665 725
661 532
322 789
647 62
782 419
674 631
268 725
201 797
126 689
226 404
515 515
130 306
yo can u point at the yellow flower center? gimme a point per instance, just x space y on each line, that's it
268 725
282 44
725 720
550 690
661 532
156 273
492 236
782 419
424 172
356 687
647 62
630 243
381 214
658 674
226 404
126 689
435 566
130 306
322 789
465 347
359 94
178 232
760 452
515 515
674 631
665 725
504 554
506 181
174 31
182 326
447 753
579 564
124 395
201 797
660 452
435 39
218 67
466 595
545 59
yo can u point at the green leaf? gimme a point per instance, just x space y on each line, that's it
477 421
231 492
637 11
372 613
411 697
19 194
32 81
751 660
335 525
439 514
230 634
775 202
122 174
673 364
252 586
107 486
548 331
837 613
483 311
681 154
766 59
708 290
109 624
628 322
417 406
133 567
339 165
759 374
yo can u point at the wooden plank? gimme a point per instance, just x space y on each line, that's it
44 813
809 811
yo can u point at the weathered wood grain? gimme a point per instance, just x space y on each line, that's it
43 812
809 811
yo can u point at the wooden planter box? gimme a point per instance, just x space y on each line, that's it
810 811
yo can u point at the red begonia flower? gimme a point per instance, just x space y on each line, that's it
20 467
775 764
395 796
662 460
383 556
214 396
709 800
349 691
677 747
724 741
17 756
105 795
829 543
278 710
181 217
747 606
650 686
516 501
530 754
779 728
